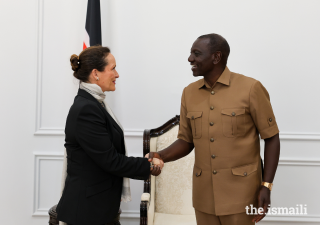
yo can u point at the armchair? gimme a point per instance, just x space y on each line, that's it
167 199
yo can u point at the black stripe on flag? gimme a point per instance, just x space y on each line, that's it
93 22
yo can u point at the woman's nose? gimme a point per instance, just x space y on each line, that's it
117 75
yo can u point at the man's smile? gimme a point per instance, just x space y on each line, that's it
193 67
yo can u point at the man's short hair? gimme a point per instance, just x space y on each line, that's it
218 43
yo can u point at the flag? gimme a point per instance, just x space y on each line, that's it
92 34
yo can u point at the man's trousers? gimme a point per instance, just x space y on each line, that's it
234 219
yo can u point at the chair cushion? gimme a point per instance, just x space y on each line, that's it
170 219
173 193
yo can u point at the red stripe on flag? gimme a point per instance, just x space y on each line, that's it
84 46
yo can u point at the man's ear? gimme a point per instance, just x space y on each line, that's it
216 57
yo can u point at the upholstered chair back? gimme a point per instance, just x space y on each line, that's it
173 187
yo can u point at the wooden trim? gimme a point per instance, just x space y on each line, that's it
143 213
147 134
147 185
165 127
146 142
146 150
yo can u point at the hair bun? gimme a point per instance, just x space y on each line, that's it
74 59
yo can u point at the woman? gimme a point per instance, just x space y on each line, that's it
98 168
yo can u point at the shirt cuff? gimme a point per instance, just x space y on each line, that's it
269 132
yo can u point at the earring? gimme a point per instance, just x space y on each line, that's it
98 78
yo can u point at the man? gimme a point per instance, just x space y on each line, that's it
221 117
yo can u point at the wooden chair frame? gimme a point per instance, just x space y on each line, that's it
147 134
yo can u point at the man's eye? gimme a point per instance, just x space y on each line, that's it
197 53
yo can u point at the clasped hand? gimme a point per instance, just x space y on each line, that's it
158 164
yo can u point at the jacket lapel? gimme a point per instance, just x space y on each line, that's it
111 121
114 123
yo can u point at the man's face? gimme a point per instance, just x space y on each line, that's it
201 57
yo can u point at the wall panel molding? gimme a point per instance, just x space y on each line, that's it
282 161
135 214
39 45
298 162
130 214
53 131
139 133
56 131
300 136
48 131
38 156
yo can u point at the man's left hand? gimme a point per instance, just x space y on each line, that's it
263 202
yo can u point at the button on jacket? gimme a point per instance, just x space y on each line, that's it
224 123
96 164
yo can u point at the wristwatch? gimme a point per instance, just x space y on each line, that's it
151 165
268 185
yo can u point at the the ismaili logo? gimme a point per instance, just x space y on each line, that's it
300 209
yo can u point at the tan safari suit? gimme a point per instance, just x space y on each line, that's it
224 123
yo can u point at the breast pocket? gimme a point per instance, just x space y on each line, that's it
233 122
196 123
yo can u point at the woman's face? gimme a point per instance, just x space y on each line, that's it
107 78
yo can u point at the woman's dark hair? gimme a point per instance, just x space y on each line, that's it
91 58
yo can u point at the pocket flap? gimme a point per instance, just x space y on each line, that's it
245 170
194 115
197 171
100 187
233 112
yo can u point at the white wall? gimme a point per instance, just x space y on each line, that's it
276 42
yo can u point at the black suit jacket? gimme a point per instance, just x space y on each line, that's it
96 164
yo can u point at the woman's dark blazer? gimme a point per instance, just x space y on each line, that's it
96 164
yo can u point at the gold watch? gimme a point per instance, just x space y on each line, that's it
268 185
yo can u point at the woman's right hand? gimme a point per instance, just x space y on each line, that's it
155 170
158 164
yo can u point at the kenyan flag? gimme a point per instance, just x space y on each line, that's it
92 34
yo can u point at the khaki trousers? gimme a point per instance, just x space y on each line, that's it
234 219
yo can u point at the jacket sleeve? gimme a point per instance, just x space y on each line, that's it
94 138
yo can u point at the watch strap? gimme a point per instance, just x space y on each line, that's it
267 185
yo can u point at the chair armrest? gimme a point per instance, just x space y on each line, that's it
145 197
151 208
147 206
53 216
144 206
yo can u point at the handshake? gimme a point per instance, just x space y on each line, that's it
157 163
